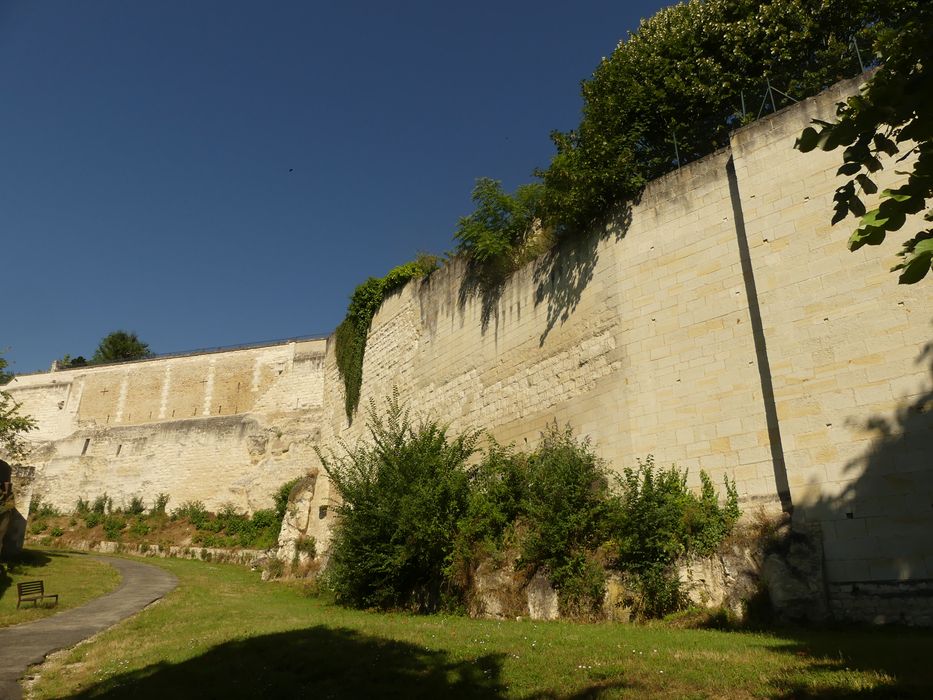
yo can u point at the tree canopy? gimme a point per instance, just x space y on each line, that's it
675 88
120 346
892 116
13 425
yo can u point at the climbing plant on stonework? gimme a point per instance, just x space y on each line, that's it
350 336
891 117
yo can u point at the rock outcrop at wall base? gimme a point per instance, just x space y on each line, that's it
770 564
255 558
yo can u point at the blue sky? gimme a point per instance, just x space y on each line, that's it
215 173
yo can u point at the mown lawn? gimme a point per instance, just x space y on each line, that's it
225 634
75 577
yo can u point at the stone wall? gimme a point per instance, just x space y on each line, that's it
218 427
717 323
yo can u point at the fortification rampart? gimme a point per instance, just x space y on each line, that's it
718 323
220 427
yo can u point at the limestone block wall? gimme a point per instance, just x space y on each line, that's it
850 361
719 323
218 427
639 338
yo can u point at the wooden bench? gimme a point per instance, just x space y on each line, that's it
33 591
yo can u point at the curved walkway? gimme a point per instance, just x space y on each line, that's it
27 644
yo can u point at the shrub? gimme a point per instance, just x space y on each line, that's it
497 232
82 506
281 499
102 504
92 519
39 508
38 527
401 499
306 544
194 511
274 567
135 507
158 508
140 528
498 486
113 526
656 521
57 532
566 509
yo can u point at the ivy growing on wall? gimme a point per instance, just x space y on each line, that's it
350 336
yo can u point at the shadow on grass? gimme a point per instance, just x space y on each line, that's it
28 558
315 662
899 658
318 662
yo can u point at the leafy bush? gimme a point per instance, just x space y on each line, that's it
136 506
92 519
498 486
281 499
415 521
113 526
38 527
566 508
102 504
195 512
158 508
401 499
57 532
680 79
39 508
500 228
306 544
82 506
658 520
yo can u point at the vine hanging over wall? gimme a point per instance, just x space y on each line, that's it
350 336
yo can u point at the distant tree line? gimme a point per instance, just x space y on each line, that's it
118 346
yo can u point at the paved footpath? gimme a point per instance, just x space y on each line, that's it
27 644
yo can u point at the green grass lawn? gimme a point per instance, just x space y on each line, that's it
74 577
224 634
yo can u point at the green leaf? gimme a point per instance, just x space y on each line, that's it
870 235
872 219
893 194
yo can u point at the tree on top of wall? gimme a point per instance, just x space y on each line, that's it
673 90
892 115
120 346
13 425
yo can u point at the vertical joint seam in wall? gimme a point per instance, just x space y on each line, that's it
761 349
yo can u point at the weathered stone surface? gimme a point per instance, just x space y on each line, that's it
497 592
719 324
542 598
